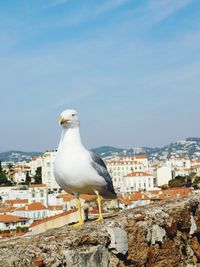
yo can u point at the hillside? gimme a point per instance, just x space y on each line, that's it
189 147
17 156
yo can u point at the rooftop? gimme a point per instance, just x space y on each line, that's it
16 201
10 218
133 174
33 206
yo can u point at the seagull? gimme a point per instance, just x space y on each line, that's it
77 170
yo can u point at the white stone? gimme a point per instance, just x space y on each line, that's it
119 240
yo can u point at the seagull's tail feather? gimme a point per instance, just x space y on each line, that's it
108 194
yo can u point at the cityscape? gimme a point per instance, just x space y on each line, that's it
99 133
32 202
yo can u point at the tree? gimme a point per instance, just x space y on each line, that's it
10 171
28 178
164 186
38 176
178 181
3 178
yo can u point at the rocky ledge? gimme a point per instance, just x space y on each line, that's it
161 234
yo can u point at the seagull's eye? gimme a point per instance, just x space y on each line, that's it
73 115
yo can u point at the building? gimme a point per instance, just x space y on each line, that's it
34 163
138 158
20 171
38 193
163 175
196 170
10 222
121 166
48 178
179 163
17 203
138 181
34 211
67 201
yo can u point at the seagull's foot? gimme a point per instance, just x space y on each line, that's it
100 218
78 224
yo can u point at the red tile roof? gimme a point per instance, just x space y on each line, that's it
134 174
55 207
37 185
140 156
10 218
66 197
33 206
125 201
16 201
7 209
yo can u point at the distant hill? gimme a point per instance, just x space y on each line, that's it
17 156
189 147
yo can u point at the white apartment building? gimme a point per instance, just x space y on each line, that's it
138 181
38 193
180 163
10 222
138 158
34 211
48 178
35 163
20 171
123 165
163 175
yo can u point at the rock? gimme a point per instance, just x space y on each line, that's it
93 256
119 240
157 234
193 226
166 233
196 247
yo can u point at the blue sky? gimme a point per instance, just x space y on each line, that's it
130 67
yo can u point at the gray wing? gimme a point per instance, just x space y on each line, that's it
99 165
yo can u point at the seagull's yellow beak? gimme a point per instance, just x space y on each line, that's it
63 121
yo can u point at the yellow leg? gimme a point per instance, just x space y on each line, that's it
81 221
100 217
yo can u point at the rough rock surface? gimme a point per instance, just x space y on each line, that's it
161 234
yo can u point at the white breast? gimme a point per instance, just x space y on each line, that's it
74 172
73 169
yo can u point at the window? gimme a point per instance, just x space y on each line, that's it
33 194
48 164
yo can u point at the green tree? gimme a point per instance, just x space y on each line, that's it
3 178
28 178
10 171
178 181
38 176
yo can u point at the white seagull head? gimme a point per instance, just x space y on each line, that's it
69 118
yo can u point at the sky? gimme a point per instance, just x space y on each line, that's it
131 68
